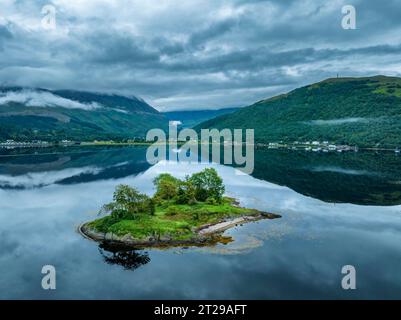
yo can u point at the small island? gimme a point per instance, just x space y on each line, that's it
189 212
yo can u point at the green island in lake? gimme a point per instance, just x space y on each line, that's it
189 212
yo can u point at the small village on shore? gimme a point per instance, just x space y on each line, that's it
308 146
323 147
12 144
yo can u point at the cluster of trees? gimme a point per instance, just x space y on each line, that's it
205 186
129 203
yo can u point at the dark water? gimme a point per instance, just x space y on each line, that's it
338 209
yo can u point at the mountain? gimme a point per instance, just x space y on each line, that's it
362 111
190 119
40 114
48 167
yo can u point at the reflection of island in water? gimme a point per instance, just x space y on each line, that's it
123 256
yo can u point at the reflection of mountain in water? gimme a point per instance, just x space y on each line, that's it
122 256
359 178
73 166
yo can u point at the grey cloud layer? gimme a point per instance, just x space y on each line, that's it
195 54
33 98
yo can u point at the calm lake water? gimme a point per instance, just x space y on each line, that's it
338 209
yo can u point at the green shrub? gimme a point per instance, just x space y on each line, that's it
186 193
172 211
211 201
151 206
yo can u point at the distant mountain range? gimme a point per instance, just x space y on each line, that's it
361 111
356 111
40 114
190 119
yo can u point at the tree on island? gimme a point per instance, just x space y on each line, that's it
208 185
128 203
186 192
166 186
202 186
174 216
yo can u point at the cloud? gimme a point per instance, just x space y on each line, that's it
197 54
33 98
334 122
5 33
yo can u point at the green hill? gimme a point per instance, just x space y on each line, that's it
360 111
39 114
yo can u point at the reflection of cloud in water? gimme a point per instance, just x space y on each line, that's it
255 234
40 179
46 178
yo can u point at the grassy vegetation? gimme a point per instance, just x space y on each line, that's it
175 212
176 221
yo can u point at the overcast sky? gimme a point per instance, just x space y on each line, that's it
195 54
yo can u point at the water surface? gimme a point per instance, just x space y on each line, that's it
337 210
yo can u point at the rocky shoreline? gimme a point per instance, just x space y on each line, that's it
206 235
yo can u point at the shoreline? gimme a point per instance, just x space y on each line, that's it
258 145
206 235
